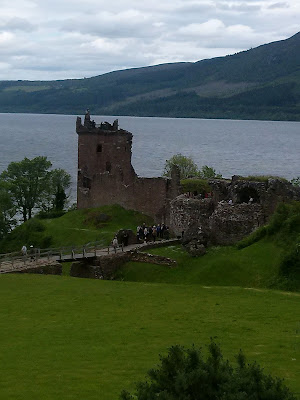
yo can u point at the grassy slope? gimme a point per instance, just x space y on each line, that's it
253 266
86 339
254 262
76 228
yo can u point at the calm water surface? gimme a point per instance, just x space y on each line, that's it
231 147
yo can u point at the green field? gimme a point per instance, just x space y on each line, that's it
254 266
69 338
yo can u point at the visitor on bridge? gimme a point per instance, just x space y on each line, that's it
24 250
115 243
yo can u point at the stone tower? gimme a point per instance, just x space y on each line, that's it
106 176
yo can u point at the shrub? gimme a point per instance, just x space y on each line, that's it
284 223
253 238
199 186
185 375
261 178
290 264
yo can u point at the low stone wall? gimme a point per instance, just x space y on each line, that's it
106 267
54 268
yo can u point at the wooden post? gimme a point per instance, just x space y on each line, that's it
122 246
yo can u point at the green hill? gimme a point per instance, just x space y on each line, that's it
76 228
261 83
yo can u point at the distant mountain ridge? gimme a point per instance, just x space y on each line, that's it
260 83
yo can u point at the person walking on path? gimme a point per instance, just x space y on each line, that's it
115 243
31 252
24 250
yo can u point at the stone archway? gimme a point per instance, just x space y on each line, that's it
247 193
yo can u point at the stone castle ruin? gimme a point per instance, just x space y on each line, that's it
106 176
236 208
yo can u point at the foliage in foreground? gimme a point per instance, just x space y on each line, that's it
185 375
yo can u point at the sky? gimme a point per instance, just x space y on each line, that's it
61 39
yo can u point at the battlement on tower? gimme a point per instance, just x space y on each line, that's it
106 175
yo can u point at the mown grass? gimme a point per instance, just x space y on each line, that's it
68 338
253 266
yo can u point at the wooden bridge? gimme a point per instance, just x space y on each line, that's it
14 262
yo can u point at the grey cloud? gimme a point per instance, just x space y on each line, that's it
17 24
73 40
278 5
241 8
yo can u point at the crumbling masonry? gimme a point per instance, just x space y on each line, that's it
106 176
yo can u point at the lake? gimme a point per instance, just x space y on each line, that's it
230 146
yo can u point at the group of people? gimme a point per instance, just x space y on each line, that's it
151 233
25 252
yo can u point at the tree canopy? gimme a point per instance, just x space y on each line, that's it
184 374
7 212
30 185
188 168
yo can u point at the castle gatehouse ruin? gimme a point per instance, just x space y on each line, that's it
106 175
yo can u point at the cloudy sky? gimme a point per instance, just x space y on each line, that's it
59 39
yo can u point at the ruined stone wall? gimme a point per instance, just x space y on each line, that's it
106 176
216 221
230 223
190 215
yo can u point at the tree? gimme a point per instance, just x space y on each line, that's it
185 375
187 167
55 196
30 183
7 212
207 172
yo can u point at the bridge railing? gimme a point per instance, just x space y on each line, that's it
16 260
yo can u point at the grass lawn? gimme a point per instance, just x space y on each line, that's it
80 226
253 266
69 338
76 227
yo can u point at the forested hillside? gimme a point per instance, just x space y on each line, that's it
261 83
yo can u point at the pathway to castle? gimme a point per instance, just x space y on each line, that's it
14 262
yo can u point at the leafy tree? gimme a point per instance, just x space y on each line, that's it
185 375
55 196
7 212
207 172
30 184
187 167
